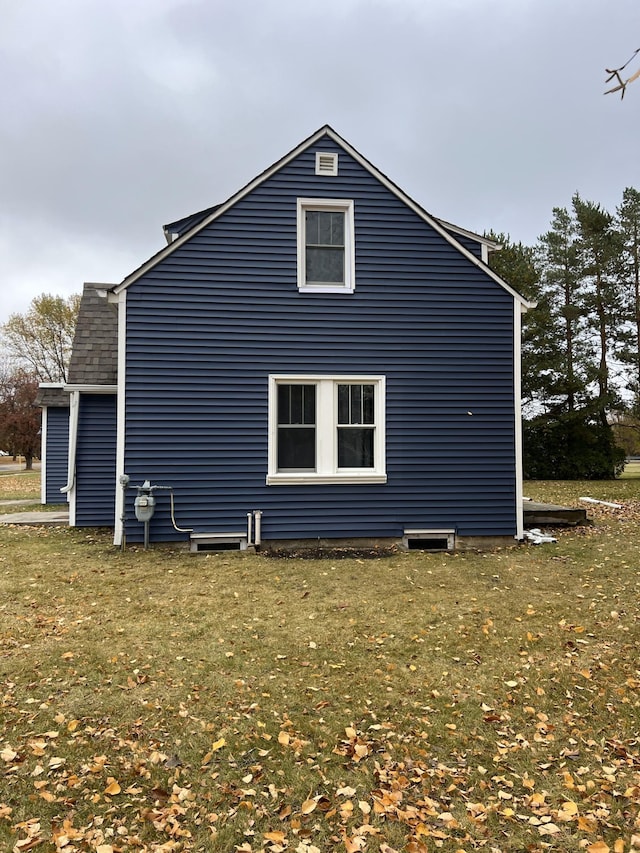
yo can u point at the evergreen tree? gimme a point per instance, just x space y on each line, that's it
628 222
517 265
599 249
566 371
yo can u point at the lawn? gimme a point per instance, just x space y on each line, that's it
161 701
18 486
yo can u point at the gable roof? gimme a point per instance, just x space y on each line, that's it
191 225
94 357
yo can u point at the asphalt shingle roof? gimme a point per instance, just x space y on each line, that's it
52 397
94 358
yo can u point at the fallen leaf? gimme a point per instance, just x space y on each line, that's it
308 806
277 837
113 787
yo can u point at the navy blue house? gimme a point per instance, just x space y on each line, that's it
319 359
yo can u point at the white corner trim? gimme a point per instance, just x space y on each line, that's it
70 489
43 455
517 408
120 415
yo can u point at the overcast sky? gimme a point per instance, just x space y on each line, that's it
120 116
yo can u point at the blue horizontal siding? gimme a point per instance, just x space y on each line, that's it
96 461
57 454
209 323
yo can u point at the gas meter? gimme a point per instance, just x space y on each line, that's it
145 502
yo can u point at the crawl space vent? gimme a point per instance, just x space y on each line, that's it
326 164
218 542
429 540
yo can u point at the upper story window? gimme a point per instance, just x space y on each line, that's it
326 257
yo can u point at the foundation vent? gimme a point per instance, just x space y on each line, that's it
201 542
429 540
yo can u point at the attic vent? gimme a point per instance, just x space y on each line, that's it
326 164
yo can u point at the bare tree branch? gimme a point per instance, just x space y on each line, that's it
614 73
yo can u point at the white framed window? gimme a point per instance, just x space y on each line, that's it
326 245
326 429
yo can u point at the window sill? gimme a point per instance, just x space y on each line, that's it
325 288
324 479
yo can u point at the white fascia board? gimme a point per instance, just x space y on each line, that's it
307 143
430 220
263 176
60 385
118 527
464 232
92 389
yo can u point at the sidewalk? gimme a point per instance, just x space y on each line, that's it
36 518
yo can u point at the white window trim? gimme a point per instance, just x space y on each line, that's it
345 206
326 432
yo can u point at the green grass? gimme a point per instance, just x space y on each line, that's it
237 702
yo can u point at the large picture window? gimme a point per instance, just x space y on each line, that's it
325 245
326 429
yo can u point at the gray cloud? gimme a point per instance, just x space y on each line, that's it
119 117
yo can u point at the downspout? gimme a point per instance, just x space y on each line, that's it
70 489
119 519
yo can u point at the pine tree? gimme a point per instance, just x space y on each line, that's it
628 222
599 248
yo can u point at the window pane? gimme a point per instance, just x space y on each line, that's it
355 447
337 229
325 265
367 404
309 404
312 227
296 448
356 404
324 228
296 404
343 404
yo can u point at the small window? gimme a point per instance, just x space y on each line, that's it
325 246
326 429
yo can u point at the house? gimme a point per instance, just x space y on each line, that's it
54 402
315 359
92 394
